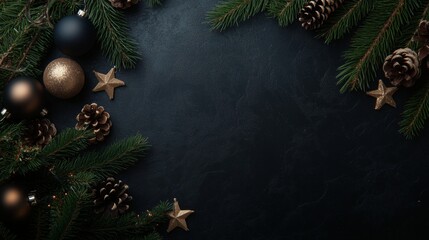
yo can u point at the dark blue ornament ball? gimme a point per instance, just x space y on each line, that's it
74 35
24 97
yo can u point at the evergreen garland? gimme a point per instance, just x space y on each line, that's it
65 168
381 27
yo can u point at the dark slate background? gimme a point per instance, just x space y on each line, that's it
249 129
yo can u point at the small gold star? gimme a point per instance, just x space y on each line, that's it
178 217
383 94
108 83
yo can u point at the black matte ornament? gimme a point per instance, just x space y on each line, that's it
23 97
74 35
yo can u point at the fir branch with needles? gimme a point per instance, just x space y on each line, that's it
154 3
285 11
416 111
232 12
110 161
130 226
113 34
373 42
345 19
6 234
69 215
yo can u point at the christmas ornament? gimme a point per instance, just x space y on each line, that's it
23 98
63 78
14 202
94 117
39 132
402 67
74 35
123 4
178 217
111 197
316 12
108 83
383 95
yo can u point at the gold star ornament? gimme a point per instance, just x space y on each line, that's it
107 82
178 217
383 95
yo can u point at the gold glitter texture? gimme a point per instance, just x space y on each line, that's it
64 78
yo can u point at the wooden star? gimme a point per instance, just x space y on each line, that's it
108 83
178 217
383 94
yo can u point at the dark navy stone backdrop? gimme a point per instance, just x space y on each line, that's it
249 129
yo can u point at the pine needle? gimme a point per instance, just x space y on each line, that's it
286 11
108 162
154 3
67 144
67 214
373 42
113 34
345 18
230 13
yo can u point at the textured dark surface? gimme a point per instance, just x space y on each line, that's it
248 129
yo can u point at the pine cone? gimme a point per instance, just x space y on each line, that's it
402 67
123 4
111 197
39 132
94 117
422 34
316 12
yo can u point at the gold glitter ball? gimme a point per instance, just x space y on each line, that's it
64 78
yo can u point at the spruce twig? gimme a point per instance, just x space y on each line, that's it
66 144
110 161
373 42
346 18
129 226
232 12
6 234
154 3
68 214
285 11
113 34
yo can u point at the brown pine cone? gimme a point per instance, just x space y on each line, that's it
402 67
111 197
94 117
123 4
316 12
39 132
422 34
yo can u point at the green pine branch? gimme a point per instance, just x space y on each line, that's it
285 11
108 162
154 3
6 234
151 236
129 226
408 33
416 113
157 216
65 145
113 34
345 18
373 42
416 110
24 41
68 216
232 12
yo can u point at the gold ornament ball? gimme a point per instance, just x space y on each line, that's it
63 78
